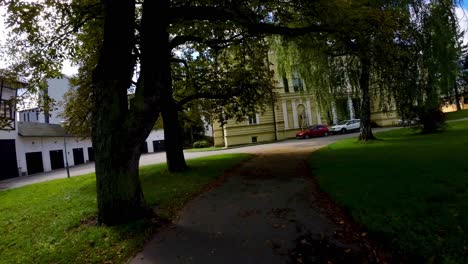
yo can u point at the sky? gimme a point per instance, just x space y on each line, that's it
68 69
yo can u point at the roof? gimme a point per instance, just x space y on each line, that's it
31 129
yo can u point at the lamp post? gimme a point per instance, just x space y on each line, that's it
65 147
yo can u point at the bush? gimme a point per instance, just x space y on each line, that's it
431 119
201 144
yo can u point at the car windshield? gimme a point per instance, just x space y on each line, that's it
343 122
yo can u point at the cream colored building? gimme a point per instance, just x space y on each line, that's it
295 109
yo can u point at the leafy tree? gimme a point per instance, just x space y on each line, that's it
351 54
429 53
136 37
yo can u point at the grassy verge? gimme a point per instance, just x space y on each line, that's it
409 190
204 149
457 115
50 222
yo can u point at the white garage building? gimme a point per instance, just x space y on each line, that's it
32 142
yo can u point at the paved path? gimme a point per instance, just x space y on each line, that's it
155 158
262 214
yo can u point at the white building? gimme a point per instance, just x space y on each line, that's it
32 142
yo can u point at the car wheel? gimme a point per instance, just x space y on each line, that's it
306 136
326 134
343 131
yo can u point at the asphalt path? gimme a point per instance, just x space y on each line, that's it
160 157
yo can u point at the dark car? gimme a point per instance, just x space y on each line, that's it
313 131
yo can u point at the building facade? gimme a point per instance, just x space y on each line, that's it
295 109
33 142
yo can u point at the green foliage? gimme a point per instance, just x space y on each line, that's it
229 80
407 189
429 52
54 222
201 144
332 63
457 115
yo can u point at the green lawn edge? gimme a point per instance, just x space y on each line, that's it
409 190
457 115
204 149
52 222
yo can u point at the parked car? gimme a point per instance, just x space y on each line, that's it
408 122
346 126
313 131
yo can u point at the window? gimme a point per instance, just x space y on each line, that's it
254 139
6 109
253 119
7 119
286 85
297 82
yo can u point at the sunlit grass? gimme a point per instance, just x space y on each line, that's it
409 190
52 222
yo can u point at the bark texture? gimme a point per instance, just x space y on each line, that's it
172 134
119 130
119 194
364 80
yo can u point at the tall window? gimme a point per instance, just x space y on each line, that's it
297 82
253 119
6 109
286 85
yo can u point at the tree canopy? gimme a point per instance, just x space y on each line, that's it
172 52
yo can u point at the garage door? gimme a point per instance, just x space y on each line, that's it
56 159
91 154
158 145
8 165
78 156
34 162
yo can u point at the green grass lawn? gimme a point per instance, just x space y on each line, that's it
51 222
409 190
457 115
204 149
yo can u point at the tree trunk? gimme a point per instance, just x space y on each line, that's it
172 134
119 194
120 197
457 96
366 127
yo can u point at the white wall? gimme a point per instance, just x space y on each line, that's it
44 145
32 115
56 91
208 127
8 93
7 134
154 135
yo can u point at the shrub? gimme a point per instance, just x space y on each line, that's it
201 144
431 119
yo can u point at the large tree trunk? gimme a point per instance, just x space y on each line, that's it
120 198
119 194
366 127
172 134
457 96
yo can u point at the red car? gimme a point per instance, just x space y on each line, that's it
313 131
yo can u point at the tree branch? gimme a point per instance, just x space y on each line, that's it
208 13
213 43
200 95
